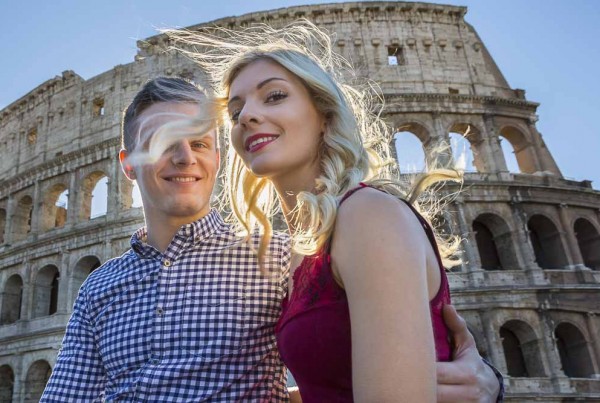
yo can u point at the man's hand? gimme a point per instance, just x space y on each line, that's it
467 378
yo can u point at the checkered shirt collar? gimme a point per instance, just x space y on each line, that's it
194 232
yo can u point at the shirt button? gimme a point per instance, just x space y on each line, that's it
154 361
196 239
166 263
159 311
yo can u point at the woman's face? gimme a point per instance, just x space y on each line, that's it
276 127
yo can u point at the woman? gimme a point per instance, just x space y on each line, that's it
362 319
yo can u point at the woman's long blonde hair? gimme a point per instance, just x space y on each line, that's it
355 145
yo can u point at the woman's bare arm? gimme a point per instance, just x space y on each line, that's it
379 252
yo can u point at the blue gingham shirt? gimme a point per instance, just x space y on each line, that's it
192 324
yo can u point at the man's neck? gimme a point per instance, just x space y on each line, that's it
160 231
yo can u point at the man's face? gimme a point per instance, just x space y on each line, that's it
178 186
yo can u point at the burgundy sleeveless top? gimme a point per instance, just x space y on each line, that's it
313 332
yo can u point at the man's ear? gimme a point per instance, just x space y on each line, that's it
127 169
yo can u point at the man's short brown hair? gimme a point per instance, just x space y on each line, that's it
160 89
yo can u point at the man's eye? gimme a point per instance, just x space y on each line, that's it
199 144
275 96
235 115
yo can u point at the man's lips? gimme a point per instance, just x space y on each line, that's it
182 178
257 141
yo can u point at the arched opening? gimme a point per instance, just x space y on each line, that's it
509 155
588 240
465 141
35 381
136 196
84 267
12 298
488 252
21 221
494 243
410 153
2 224
574 351
522 149
94 195
546 242
55 207
521 350
7 382
45 291
462 153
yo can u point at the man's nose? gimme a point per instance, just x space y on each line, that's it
183 154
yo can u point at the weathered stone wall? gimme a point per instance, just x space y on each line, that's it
530 278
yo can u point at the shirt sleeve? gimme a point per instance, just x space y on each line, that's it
500 381
78 374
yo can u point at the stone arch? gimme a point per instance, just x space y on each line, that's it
546 241
588 240
83 268
55 207
2 224
422 133
37 376
522 148
21 221
12 298
574 351
45 291
494 242
94 198
521 350
7 383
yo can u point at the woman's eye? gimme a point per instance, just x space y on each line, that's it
275 96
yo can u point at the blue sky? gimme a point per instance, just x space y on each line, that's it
549 48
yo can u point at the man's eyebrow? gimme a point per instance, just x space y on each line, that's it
258 87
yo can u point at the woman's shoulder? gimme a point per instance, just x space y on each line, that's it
368 206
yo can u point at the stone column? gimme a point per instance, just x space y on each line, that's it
113 205
536 138
494 343
28 289
523 246
36 213
439 139
73 202
573 253
594 330
559 381
494 158
20 374
62 305
11 205
574 257
472 265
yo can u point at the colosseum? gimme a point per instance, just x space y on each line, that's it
529 284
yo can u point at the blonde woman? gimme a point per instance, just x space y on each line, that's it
363 316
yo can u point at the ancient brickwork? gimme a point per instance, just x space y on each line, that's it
530 278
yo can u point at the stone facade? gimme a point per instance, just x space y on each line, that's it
529 284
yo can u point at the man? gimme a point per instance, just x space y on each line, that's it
185 314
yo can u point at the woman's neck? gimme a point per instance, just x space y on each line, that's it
288 190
